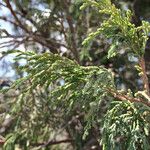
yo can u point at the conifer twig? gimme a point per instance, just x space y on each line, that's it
123 97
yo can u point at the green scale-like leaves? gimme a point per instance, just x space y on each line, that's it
56 87
69 87
126 127
119 29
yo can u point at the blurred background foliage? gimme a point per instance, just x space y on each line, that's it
59 26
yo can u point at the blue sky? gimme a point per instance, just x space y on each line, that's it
5 63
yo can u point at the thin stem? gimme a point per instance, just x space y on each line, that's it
14 15
52 143
123 97
144 76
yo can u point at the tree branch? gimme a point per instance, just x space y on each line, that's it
72 30
15 16
144 76
123 97
7 20
51 142
137 21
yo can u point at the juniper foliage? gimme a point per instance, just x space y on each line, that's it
70 87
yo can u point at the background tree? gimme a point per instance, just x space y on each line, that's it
60 27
